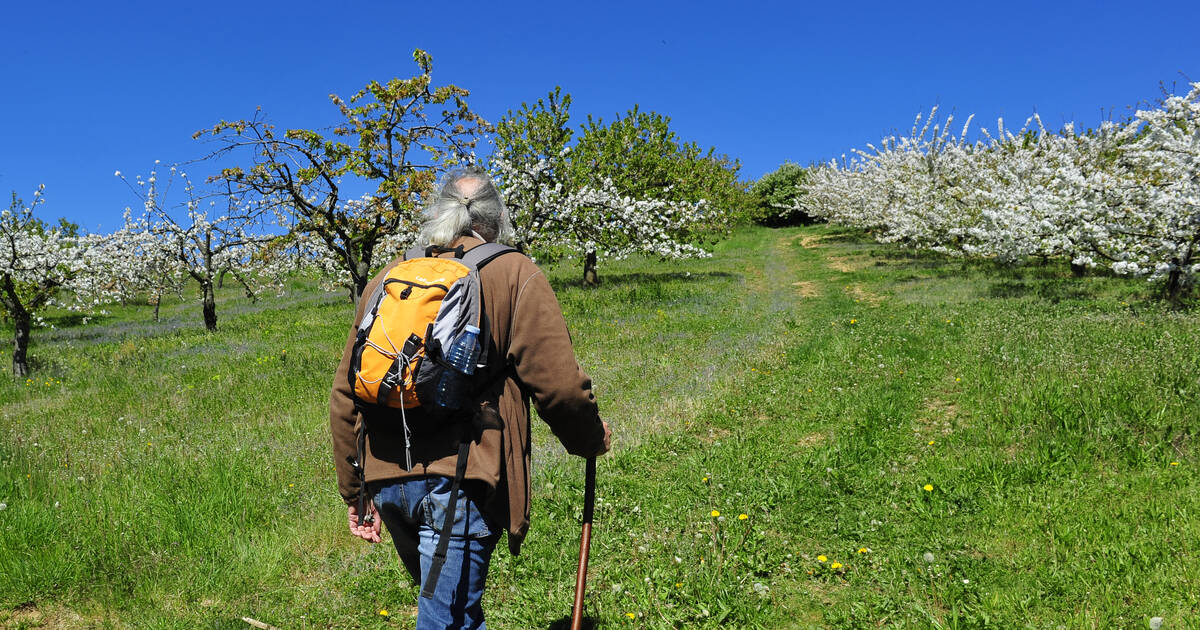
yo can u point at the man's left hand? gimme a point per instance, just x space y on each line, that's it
370 529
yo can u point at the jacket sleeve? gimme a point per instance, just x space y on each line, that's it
541 353
342 421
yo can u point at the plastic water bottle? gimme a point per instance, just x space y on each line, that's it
462 356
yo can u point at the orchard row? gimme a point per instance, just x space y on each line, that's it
1125 196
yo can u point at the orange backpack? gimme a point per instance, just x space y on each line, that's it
418 310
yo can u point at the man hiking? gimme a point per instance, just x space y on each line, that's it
406 465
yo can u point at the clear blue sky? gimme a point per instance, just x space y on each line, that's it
91 88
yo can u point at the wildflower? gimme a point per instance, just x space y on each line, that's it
291 485
384 612
854 321
742 517
821 558
1174 463
928 487
716 513
704 480
928 556
631 615
931 442
863 550
835 565
3 506
679 585
957 379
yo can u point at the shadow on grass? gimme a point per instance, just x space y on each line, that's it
587 623
1053 290
642 278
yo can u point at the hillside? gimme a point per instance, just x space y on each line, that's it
811 430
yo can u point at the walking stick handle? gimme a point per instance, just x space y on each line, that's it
585 542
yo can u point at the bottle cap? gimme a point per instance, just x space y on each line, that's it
471 329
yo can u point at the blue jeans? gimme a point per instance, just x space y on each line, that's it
414 512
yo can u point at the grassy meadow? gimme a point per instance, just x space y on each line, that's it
811 430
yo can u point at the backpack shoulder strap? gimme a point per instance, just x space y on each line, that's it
481 255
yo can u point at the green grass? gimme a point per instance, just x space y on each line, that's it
157 476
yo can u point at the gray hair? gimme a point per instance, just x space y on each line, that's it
467 201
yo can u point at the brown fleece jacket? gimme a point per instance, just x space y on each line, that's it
528 331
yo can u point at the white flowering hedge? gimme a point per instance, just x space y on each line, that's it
1125 196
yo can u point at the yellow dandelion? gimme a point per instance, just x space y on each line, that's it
928 487
957 380
854 321
821 558
384 612
679 585
1174 463
704 480
835 565
931 442
291 485
716 513
742 517
631 615
863 550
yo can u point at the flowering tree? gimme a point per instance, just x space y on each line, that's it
389 138
201 246
41 266
1123 195
1152 227
623 188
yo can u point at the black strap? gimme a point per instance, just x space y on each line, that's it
439 554
359 471
434 250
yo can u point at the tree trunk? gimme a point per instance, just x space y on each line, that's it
589 270
1174 286
1078 270
221 279
210 305
157 303
360 277
21 326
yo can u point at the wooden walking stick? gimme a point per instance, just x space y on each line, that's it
585 542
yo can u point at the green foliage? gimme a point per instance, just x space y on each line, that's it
774 196
645 159
635 158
